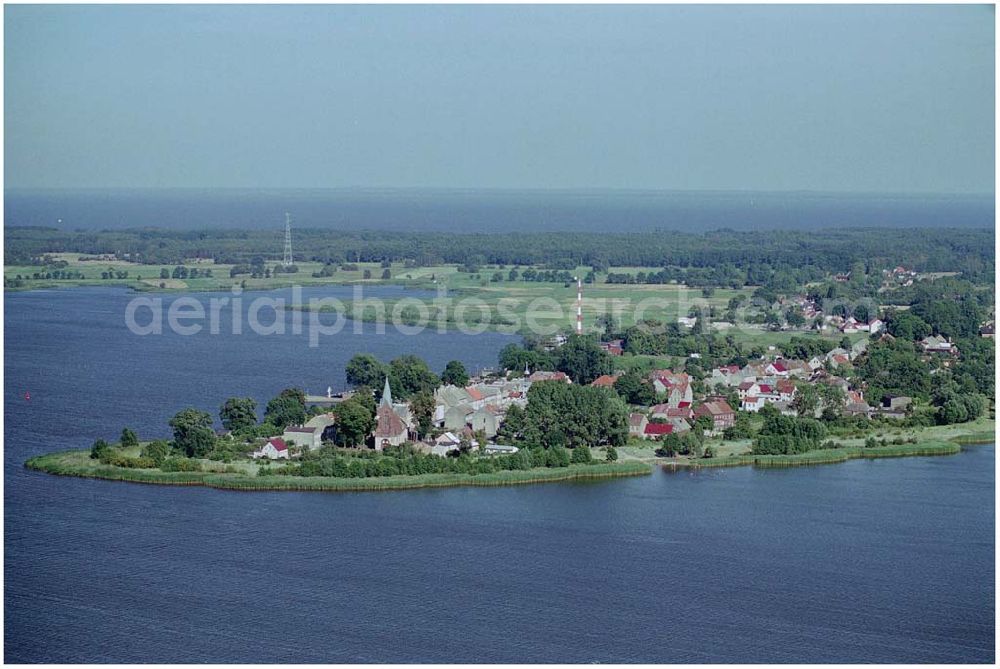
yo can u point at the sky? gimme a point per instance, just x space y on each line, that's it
762 98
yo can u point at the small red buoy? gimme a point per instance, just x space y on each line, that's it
27 396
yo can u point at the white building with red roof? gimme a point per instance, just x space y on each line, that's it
274 448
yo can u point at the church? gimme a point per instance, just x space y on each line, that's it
390 428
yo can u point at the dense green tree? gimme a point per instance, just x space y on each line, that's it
583 360
893 367
99 449
742 427
365 369
517 358
129 438
455 374
238 413
786 434
408 374
422 407
288 408
354 422
635 389
907 325
157 451
611 454
806 399
557 456
581 455
560 414
193 433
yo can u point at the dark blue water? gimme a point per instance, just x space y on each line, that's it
884 561
490 211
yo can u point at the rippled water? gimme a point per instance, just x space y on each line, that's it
889 560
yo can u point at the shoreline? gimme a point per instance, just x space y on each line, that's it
827 456
56 464
77 463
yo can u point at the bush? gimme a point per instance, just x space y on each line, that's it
156 450
581 455
611 454
121 460
180 465
99 449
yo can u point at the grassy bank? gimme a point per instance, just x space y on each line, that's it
78 463
827 456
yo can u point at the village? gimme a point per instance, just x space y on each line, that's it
471 417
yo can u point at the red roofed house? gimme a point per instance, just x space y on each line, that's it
786 390
776 368
605 381
667 411
722 414
677 386
274 449
654 430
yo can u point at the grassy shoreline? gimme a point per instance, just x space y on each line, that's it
77 463
825 456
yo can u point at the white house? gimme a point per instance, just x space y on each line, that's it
274 449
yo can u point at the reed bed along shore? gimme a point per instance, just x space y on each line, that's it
77 463
832 455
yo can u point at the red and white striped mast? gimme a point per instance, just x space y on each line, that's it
579 306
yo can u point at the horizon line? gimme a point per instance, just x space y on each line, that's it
500 190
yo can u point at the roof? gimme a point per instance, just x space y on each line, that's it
547 376
779 365
388 424
474 393
386 394
785 386
605 381
658 428
636 419
306 430
715 408
278 443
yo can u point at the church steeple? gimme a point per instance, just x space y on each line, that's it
386 395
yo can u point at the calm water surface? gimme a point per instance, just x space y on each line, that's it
879 561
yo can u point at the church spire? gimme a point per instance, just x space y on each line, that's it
386 394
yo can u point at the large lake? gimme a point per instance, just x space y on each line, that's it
882 561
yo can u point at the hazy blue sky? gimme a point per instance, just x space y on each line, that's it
892 98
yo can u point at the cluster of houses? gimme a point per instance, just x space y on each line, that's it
464 416
816 319
898 276
460 413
